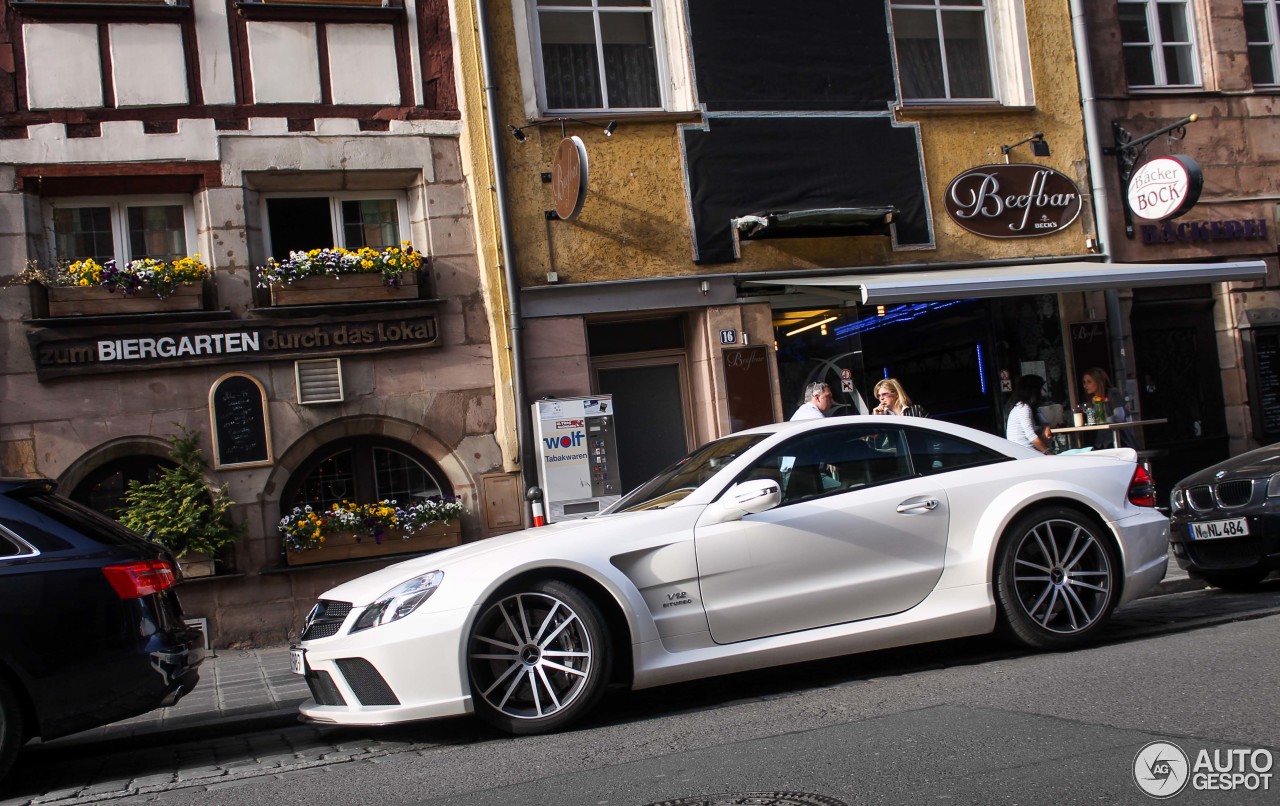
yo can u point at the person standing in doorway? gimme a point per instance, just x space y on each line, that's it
817 399
893 400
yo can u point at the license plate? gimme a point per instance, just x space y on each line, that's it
1210 530
297 660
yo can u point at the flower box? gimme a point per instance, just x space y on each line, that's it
366 287
197 564
345 546
98 301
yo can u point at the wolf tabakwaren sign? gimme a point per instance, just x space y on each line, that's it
111 348
1012 201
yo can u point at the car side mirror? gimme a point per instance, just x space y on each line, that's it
746 498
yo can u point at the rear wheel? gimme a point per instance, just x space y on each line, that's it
538 658
1056 578
10 727
1235 580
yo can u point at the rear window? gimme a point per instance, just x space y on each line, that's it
44 519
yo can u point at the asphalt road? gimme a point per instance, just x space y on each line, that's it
954 722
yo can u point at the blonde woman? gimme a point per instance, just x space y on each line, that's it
894 401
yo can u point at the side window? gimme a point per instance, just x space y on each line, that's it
303 223
598 54
932 452
1262 29
119 230
1159 46
834 460
11 548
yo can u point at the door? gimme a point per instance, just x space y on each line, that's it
856 536
650 423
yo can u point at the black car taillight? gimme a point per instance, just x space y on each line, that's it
138 579
1142 492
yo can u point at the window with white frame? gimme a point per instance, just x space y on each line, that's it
120 229
598 55
944 50
301 223
1263 32
1159 44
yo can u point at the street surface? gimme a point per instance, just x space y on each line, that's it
954 722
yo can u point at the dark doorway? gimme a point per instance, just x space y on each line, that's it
1176 355
651 427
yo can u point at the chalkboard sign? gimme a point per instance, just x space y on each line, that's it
238 410
1264 379
746 379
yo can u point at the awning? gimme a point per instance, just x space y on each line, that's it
1008 281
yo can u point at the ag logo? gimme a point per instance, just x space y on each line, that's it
1161 769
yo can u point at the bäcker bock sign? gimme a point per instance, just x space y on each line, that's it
1012 201
58 352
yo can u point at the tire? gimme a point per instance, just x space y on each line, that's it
1235 580
1056 578
11 727
538 658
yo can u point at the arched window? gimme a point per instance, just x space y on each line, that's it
103 489
364 470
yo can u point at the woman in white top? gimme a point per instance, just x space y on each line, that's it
1021 427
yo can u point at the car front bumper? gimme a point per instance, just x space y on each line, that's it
405 671
1258 551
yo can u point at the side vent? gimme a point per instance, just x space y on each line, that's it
319 381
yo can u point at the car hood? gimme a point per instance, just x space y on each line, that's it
367 588
1259 463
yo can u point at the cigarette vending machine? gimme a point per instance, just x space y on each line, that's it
577 455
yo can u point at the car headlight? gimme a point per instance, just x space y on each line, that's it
400 601
1273 486
1178 499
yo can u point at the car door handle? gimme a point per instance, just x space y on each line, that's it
917 504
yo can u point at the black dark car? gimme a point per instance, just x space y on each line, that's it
90 628
1225 520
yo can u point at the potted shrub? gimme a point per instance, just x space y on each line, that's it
147 285
180 509
334 274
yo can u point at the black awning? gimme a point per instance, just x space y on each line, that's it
826 222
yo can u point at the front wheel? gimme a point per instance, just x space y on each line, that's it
1056 578
538 658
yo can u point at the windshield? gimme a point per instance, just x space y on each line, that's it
686 475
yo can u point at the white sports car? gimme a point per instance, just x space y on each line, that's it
784 543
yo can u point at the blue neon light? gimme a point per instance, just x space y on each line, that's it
893 316
982 370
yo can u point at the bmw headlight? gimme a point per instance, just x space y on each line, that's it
1178 499
399 602
1273 486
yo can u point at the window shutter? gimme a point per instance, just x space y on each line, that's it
319 381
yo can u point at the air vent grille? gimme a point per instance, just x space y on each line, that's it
319 381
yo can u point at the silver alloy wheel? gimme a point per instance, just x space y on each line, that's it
530 655
1062 576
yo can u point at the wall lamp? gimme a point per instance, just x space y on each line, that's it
1039 147
518 131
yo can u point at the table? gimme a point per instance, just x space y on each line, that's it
1114 428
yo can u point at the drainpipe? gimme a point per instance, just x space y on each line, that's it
515 326
1097 190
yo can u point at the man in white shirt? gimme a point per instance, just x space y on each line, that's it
817 399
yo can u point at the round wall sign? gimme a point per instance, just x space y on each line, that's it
569 177
1165 187
1012 201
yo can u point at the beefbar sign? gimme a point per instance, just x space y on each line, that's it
1012 201
108 348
